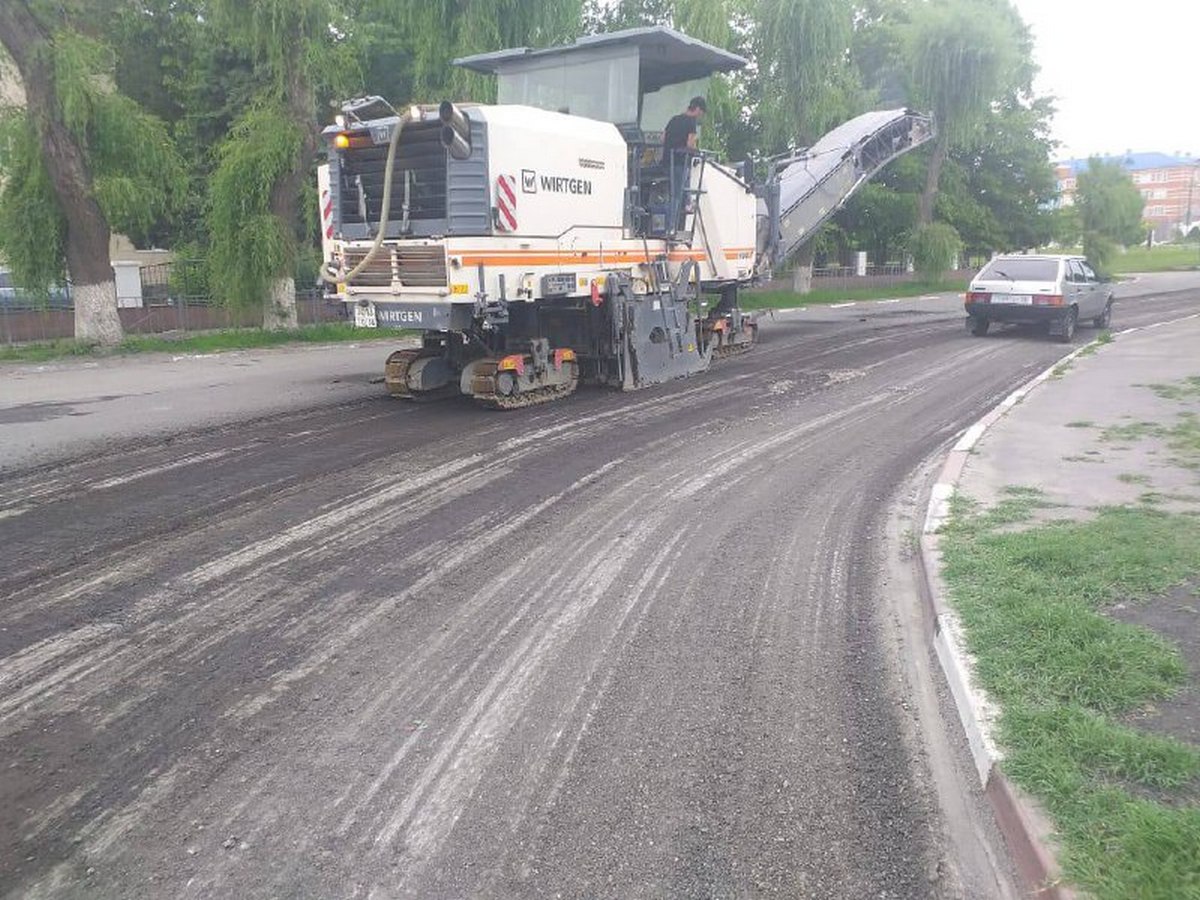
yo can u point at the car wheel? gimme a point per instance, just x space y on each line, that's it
1066 328
1105 318
977 325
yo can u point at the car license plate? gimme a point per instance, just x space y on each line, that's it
1016 299
364 316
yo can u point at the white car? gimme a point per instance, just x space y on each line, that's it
1056 291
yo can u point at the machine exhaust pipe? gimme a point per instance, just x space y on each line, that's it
456 130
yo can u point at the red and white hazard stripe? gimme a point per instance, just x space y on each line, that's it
327 214
506 202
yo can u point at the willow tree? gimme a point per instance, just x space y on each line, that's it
722 23
963 56
79 158
804 62
264 163
437 31
807 82
1110 210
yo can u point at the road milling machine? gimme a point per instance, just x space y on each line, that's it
547 238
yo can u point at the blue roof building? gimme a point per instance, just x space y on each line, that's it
1169 185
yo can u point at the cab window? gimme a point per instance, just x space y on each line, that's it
599 84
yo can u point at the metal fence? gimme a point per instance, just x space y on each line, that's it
173 297
839 277
14 299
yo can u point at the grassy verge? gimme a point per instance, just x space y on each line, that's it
205 342
1156 259
825 296
1065 675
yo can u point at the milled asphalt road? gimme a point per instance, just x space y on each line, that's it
622 646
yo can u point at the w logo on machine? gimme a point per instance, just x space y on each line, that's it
506 203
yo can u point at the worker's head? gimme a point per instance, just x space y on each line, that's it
697 107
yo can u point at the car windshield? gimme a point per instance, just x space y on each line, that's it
1019 268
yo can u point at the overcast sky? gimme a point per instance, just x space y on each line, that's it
1126 75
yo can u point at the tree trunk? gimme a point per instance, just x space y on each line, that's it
87 232
802 274
941 150
279 306
279 311
96 319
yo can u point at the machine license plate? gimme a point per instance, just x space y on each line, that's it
364 316
1015 299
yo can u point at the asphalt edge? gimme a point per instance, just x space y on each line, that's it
1026 829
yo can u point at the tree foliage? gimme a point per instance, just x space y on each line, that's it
136 175
934 248
804 64
177 63
265 161
962 56
727 128
879 220
437 31
250 245
32 226
1108 202
996 189
240 82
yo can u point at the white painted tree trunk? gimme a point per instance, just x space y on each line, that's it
279 309
96 319
802 278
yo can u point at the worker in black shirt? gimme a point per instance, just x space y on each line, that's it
679 142
680 133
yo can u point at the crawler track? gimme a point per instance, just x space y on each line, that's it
484 386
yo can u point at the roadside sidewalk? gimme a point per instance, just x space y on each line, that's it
1078 438
1063 557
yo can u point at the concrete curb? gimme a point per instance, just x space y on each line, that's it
1025 828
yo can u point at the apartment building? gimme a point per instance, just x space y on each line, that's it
1169 184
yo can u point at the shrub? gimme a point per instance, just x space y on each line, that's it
1099 250
933 249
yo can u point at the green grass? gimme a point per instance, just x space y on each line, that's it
824 296
1185 390
1181 438
204 342
1081 423
1089 349
1156 259
1133 431
1064 675
1134 478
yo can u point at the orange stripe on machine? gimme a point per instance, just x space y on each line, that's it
568 257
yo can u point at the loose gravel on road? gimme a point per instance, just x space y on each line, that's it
624 646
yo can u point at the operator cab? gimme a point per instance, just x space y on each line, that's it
636 79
